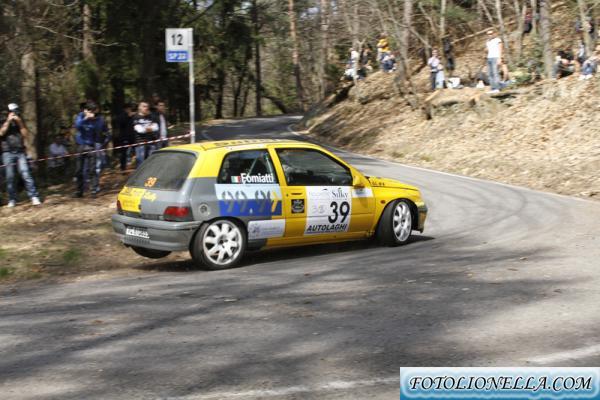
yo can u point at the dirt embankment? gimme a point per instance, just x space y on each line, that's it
545 136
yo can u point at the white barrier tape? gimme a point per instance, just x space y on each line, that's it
98 151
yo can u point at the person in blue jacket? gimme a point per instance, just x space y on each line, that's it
92 135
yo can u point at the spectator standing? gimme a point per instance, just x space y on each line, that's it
434 66
13 134
494 57
163 130
449 55
389 63
155 99
383 47
366 65
528 23
126 134
146 126
352 65
91 137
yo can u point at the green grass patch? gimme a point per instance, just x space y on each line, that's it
426 158
71 256
5 272
3 253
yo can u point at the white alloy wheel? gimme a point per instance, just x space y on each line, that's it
222 243
402 221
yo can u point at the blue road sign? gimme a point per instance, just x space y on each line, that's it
178 56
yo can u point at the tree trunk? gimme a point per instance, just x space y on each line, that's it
221 76
238 86
546 37
296 54
29 81
89 62
257 60
520 13
405 39
587 38
505 41
481 5
29 100
325 55
534 15
443 6
88 54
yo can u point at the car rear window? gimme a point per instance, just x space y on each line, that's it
164 170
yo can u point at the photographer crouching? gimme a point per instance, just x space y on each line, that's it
12 135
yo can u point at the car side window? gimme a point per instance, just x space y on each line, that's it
307 167
247 167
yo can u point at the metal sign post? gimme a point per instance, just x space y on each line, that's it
180 48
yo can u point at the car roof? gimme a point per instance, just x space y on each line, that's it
242 143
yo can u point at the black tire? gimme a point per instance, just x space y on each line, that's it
150 253
386 233
201 246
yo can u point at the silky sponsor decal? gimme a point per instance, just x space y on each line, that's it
499 383
362 192
297 206
249 201
258 178
266 229
328 209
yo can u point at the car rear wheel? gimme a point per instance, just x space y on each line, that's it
395 225
150 253
219 244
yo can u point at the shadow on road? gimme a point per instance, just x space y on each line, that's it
258 257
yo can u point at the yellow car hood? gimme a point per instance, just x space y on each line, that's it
390 183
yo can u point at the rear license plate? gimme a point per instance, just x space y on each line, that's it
137 232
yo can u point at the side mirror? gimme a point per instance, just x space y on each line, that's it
357 182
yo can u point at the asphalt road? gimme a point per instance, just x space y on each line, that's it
502 276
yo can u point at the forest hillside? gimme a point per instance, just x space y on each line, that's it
540 133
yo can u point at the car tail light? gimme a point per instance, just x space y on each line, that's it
119 208
174 213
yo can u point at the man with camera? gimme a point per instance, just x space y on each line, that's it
13 134
92 135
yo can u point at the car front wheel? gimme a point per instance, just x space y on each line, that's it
219 244
395 225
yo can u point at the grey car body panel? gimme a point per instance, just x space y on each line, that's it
200 195
164 235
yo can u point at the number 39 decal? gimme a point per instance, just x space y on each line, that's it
339 209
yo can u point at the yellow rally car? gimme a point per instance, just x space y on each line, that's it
219 199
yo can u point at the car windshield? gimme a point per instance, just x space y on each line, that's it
164 170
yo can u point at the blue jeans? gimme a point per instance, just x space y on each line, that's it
142 152
493 73
87 163
20 159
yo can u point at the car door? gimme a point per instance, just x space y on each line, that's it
247 188
320 201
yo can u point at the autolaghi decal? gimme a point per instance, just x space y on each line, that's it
500 383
